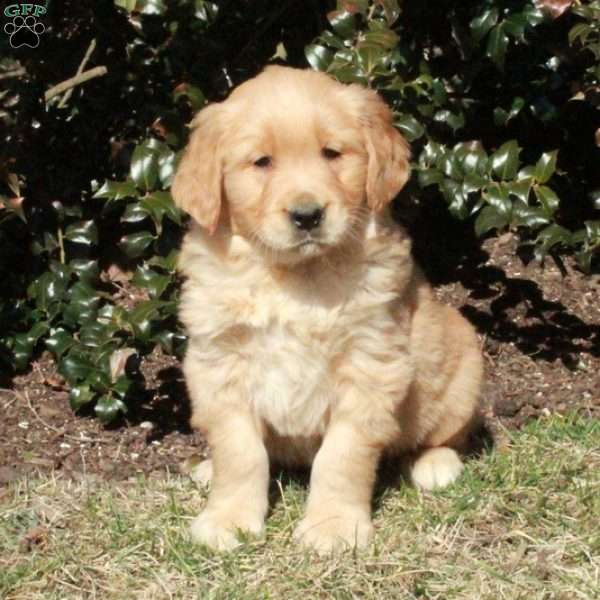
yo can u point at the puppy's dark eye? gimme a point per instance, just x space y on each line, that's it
330 153
263 162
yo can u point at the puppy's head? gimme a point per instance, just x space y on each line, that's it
293 161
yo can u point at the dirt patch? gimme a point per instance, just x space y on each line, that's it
540 331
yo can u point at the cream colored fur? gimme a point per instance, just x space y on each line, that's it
324 348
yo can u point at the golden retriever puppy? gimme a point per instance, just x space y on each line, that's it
313 338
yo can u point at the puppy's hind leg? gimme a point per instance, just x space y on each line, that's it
436 468
202 473
439 464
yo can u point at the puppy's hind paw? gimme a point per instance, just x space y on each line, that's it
436 468
202 472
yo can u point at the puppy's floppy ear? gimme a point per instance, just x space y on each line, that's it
388 168
197 185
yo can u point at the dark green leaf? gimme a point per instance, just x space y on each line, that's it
409 126
83 304
584 260
160 204
76 366
141 317
549 237
580 32
330 39
547 198
108 408
144 167
391 10
505 161
496 46
529 216
193 94
533 15
59 341
453 193
592 229
431 154
154 282
380 35
134 244
489 218
80 395
450 165
152 7
430 176
473 183
116 190
134 213
167 163
318 57
453 120
545 167
481 25
169 340
497 196
168 263
472 158
128 5
520 189
83 232
342 22
49 288
515 25
95 334
86 269
369 57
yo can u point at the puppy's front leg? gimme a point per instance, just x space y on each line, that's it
238 499
338 513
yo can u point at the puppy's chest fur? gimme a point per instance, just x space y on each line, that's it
285 336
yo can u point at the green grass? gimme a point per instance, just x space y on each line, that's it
523 522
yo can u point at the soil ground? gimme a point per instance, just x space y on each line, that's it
539 328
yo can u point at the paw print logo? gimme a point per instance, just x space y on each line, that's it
24 31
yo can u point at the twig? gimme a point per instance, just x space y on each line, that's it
63 86
86 57
16 397
61 244
56 429
34 412
14 73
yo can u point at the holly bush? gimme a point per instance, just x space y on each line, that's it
499 100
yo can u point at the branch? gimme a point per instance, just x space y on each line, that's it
67 84
14 73
88 53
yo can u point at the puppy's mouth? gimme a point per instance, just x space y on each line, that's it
309 245
308 242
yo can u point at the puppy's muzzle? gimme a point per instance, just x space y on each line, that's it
306 217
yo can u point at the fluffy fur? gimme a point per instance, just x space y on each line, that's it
320 346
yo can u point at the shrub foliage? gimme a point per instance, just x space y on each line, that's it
499 100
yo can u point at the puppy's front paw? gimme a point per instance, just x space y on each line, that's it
334 531
219 529
436 468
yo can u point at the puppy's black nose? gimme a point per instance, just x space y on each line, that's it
307 216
